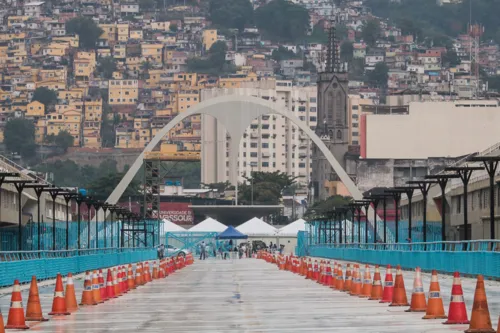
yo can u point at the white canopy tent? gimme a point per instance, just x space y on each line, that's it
209 225
257 227
292 229
169 226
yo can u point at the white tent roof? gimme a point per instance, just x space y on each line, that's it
169 226
209 225
293 228
257 227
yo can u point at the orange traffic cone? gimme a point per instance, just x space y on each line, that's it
116 286
457 313
59 307
480 321
87 295
366 290
418 303
348 279
2 325
328 274
310 273
34 308
435 308
138 277
102 286
147 274
130 277
123 283
315 270
377 289
388 286
15 320
155 271
161 271
340 278
356 282
399 294
333 282
96 291
70 295
110 288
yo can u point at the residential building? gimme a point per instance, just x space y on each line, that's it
272 143
123 92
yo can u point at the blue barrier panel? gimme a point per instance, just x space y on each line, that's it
468 258
47 264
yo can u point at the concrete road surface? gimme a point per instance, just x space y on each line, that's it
248 295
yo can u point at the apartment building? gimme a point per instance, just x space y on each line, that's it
123 92
271 143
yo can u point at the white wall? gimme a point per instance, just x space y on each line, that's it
433 129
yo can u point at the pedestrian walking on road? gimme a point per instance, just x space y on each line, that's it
203 251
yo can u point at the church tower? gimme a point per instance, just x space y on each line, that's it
333 122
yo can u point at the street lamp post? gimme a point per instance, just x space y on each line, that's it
465 173
409 191
89 203
105 208
38 188
396 195
79 200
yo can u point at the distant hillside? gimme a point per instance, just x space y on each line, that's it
424 18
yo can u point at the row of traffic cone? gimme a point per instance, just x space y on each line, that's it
118 282
394 292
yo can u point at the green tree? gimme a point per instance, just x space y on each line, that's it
102 187
267 187
108 126
19 137
379 75
214 64
86 29
220 186
319 35
283 53
146 5
450 58
282 20
64 140
231 13
173 27
371 32
346 51
106 66
46 96
323 208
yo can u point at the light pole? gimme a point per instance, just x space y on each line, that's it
424 186
409 190
54 192
67 198
396 195
38 188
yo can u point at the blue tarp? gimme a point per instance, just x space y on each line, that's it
231 233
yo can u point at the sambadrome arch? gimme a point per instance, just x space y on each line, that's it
236 113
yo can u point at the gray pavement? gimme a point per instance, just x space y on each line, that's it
248 295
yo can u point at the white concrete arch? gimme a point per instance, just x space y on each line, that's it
236 113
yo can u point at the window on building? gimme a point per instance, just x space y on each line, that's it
265 164
253 154
265 145
312 99
302 165
339 135
312 118
302 109
355 116
355 107
355 142
253 145
355 134
254 126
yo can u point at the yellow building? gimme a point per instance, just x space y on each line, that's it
120 51
40 130
35 109
152 52
209 38
72 94
56 49
183 100
108 32
83 69
53 74
136 34
72 124
123 92
123 32
161 26
52 84
73 41
235 80
15 20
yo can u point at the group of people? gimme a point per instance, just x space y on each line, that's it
224 249
274 247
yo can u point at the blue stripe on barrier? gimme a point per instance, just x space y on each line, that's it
50 264
476 260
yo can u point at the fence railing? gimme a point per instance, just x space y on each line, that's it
23 265
467 257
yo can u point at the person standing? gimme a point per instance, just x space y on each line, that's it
203 251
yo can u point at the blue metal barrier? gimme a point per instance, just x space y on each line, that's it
47 264
470 258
